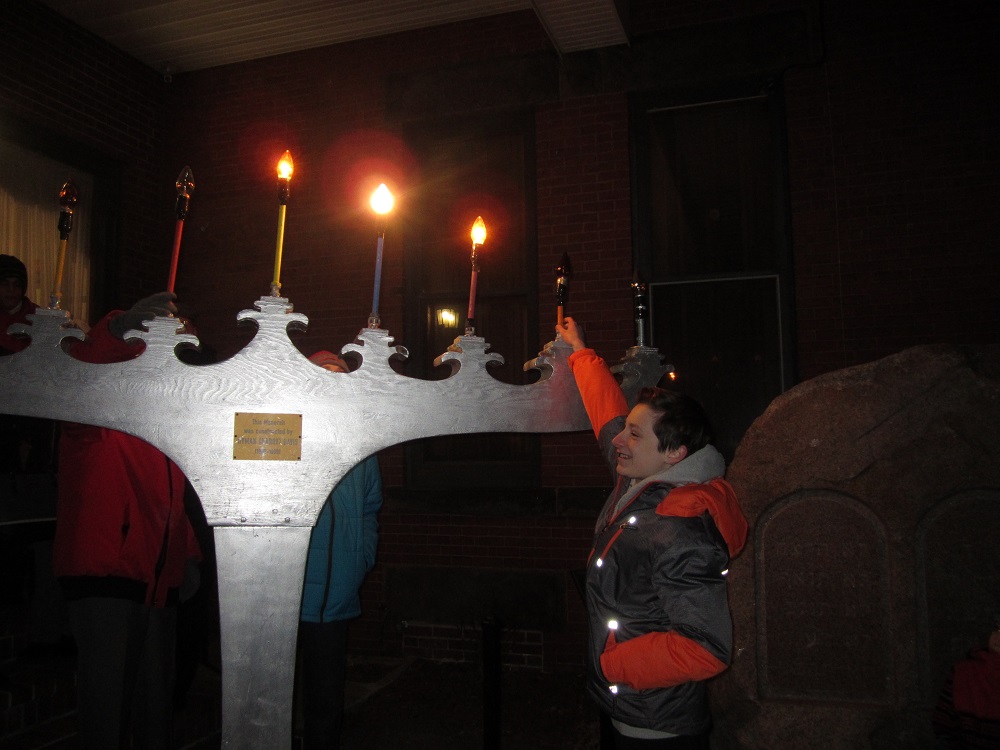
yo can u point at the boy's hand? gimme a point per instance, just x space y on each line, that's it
159 304
571 333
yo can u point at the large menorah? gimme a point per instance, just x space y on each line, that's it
264 437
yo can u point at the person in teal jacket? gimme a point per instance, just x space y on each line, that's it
341 552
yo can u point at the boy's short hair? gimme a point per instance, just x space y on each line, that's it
681 420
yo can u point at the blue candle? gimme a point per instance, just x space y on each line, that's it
381 203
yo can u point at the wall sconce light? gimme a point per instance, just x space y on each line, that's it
446 317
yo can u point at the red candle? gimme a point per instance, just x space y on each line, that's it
185 186
478 238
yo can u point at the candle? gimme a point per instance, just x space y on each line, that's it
185 186
285 168
68 197
563 272
381 203
478 238
639 303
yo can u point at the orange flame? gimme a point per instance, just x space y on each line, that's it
285 166
478 231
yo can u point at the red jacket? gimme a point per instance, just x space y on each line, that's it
968 709
121 527
10 344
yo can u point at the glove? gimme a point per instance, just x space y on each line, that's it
159 304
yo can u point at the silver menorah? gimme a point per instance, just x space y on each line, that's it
264 437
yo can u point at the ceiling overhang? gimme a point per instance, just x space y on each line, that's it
189 35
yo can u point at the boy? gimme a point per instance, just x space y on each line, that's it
656 594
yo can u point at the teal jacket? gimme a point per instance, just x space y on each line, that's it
342 546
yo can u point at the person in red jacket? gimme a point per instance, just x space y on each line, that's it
655 585
15 307
122 547
25 442
967 714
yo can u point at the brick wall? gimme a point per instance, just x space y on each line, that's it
327 106
894 167
547 543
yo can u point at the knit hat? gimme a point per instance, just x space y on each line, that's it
11 266
324 358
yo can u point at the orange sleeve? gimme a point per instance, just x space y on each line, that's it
602 396
657 660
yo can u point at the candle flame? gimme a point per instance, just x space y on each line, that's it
285 166
382 200
478 231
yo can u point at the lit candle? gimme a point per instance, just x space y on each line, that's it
68 197
381 203
185 186
285 168
478 238
563 272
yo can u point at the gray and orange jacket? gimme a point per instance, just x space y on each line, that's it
656 592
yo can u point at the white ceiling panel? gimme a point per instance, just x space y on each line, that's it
188 35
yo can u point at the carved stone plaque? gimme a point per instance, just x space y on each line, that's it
822 611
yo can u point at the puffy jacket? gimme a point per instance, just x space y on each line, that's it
121 527
342 546
656 593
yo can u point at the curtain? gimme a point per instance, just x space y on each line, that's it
29 220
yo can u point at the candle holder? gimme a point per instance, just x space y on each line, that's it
185 186
69 196
563 273
640 309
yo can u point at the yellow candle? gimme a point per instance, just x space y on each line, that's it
285 168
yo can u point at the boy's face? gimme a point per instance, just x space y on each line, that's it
11 293
639 455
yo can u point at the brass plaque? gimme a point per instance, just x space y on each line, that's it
267 437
